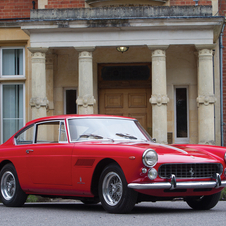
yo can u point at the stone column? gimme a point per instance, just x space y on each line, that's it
49 82
159 98
85 99
38 102
206 98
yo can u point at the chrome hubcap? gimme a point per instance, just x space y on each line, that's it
112 189
8 185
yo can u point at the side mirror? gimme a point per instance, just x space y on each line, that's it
154 139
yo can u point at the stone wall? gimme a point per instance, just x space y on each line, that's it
121 12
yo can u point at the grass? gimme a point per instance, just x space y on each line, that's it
36 198
223 195
32 198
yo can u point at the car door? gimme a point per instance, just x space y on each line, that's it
49 159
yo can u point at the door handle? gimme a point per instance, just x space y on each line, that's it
29 150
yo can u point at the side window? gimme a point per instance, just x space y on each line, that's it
51 132
63 134
25 137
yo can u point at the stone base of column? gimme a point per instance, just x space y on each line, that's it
159 123
206 124
39 107
85 111
38 113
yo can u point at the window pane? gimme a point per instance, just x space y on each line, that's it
71 102
181 111
26 137
48 132
12 62
124 73
12 109
63 135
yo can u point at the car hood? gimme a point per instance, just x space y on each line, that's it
179 153
166 153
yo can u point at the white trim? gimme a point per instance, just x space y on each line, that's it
1 58
71 88
1 101
184 139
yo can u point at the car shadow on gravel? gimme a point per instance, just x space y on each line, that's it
138 209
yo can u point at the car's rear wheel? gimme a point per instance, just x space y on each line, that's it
11 193
114 194
203 202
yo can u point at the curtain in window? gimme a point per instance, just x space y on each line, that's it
12 62
13 103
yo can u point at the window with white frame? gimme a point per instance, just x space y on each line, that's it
12 65
12 62
12 113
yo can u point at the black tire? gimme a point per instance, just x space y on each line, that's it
11 193
203 202
114 194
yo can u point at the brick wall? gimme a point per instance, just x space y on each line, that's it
65 4
189 2
81 3
16 8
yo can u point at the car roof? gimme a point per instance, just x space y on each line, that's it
62 117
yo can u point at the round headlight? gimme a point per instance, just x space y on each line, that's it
150 158
152 174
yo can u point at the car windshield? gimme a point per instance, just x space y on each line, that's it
83 129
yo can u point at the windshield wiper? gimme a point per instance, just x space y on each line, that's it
94 136
126 136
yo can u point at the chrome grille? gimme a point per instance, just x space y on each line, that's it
190 170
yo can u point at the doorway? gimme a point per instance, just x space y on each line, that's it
124 90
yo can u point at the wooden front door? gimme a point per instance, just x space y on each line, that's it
124 90
129 102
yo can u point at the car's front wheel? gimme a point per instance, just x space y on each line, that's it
203 202
11 193
114 194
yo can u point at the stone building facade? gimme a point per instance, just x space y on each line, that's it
170 77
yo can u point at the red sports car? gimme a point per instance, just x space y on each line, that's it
109 159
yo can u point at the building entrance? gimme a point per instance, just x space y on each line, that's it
124 90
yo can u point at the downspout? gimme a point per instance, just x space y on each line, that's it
221 84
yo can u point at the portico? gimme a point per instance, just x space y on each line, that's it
178 48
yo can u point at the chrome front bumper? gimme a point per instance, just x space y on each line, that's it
172 184
179 185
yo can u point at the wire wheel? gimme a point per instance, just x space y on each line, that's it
8 185
113 192
11 193
112 188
